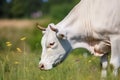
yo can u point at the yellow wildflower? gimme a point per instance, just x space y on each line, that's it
16 62
23 38
19 50
89 61
8 44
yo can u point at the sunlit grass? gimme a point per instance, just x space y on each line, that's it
15 66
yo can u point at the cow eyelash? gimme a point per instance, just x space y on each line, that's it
51 44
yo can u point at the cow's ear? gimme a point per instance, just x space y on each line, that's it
53 28
40 27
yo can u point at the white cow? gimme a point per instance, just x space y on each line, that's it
91 24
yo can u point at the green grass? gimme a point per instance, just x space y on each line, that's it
24 66
19 66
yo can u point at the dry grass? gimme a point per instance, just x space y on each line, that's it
21 23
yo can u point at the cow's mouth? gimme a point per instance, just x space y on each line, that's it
57 63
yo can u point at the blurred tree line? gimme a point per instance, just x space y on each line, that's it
31 8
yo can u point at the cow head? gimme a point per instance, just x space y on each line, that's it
55 47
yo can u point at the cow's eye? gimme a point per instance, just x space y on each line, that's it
51 44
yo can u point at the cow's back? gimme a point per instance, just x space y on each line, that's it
93 18
105 15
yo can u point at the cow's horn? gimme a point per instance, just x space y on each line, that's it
40 27
53 29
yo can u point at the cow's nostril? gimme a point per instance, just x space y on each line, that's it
41 66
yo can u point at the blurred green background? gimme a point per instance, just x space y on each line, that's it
35 8
18 19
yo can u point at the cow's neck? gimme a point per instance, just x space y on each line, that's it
78 20
77 24
74 27
74 17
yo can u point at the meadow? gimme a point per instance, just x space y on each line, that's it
20 53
